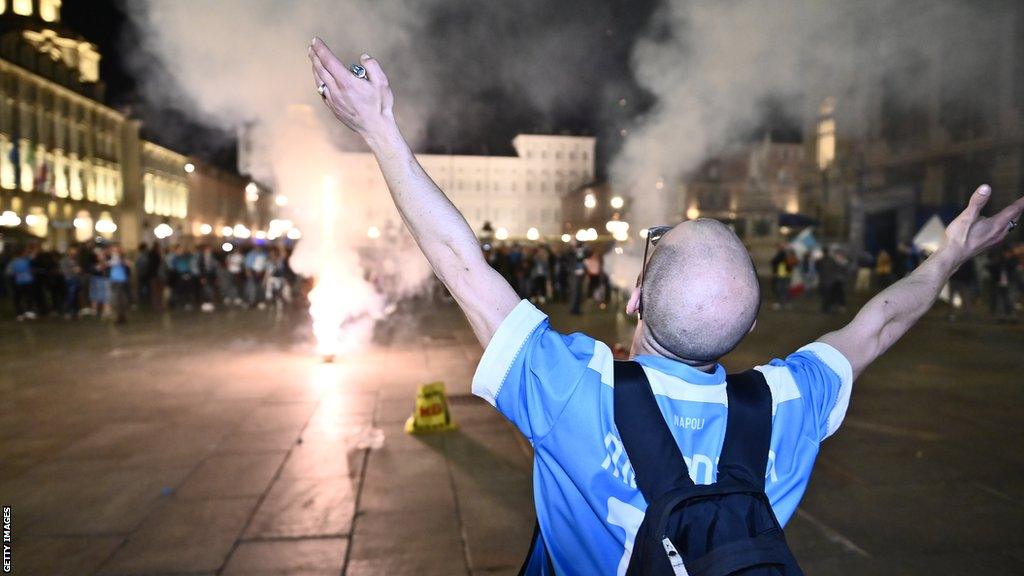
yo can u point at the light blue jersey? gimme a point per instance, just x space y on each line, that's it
557 390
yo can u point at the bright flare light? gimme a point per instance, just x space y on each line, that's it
241 231
617 202
643 233
281 200
501 234
205 229
590 201
294 234
261 235
373 232
190 168
227 246
532 234
693 213
566 238
162 231
326 299
32 220
227 231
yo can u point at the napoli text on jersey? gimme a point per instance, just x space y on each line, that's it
557 390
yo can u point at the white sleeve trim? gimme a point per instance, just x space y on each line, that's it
503 348
838 363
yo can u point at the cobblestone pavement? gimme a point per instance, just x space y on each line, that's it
218 444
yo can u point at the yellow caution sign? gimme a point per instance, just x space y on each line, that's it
431 413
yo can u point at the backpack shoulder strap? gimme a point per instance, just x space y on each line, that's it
646 437
748 431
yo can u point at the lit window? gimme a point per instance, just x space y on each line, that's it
826 142
49 10
23 7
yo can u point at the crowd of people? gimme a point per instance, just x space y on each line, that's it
572 274
98 279
830 271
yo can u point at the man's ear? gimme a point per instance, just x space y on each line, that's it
634 302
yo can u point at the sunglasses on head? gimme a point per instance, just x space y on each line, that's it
654 235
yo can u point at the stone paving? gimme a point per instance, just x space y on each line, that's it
218 444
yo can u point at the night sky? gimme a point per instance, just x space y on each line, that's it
607 73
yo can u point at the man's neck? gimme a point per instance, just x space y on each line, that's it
644 344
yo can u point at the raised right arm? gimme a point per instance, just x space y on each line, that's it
435 223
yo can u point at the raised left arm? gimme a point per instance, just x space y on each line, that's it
888 316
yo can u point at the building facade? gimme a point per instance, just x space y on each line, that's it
880 164
513 194
71 167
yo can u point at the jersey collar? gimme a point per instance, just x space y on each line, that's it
682 371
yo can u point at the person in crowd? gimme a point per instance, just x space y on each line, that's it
98 282
144 272
696 299
49 281
255 276
782 275
865 265
909 257
159 277
883 269
540 271
22 280
235 286
1002 266
578 272
119 283
72 272
277 287
597 289
961 290
208 268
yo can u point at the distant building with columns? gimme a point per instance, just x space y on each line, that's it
511 193
73 168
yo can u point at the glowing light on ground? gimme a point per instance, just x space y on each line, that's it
326 299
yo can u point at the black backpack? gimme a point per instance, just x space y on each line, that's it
723 529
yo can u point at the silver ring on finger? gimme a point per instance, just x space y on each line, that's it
321 89
358 71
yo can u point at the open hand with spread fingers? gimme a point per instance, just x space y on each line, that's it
971 234
358 96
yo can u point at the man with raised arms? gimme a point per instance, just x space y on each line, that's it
699 298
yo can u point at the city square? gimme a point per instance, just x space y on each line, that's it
251 456
632 287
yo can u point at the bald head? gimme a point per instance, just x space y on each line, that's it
700 292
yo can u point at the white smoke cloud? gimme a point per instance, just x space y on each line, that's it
711 66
